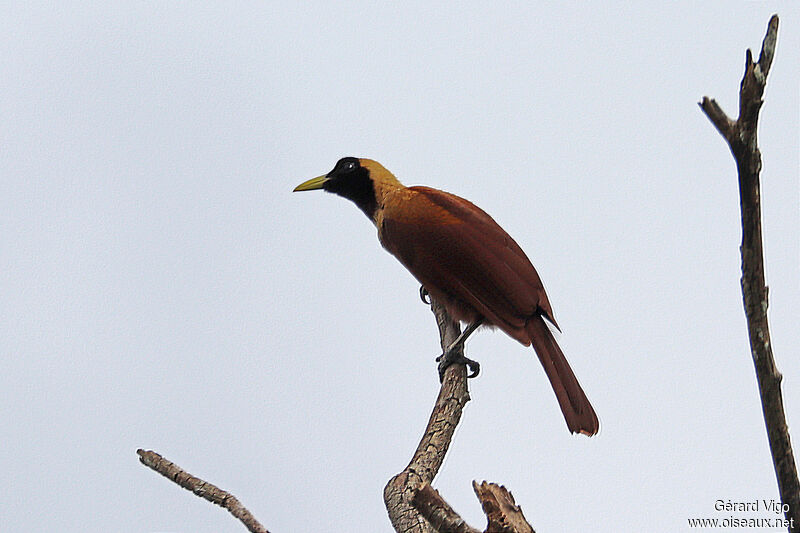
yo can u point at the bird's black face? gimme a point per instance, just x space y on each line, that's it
346 175
352 181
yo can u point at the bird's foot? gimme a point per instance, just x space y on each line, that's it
455 355
424 295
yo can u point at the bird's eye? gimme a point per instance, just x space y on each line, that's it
344 166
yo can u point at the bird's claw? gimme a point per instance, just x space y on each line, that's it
424 295
457 357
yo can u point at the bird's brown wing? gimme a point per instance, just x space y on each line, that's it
454 248
469 263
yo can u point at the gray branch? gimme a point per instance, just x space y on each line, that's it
201 488
427 459
741 136
413 505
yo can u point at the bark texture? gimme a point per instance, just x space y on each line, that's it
427 459
503 513
413 505
438 512
201 488
741 135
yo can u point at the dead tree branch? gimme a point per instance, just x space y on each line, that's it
502 512
438 512
427 459
413 505
504 515
741 135
201 488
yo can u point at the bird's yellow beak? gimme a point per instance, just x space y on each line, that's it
312 184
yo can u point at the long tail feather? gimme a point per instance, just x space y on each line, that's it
578 412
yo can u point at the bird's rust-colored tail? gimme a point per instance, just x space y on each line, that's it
577 410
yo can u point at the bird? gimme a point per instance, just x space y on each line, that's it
466 262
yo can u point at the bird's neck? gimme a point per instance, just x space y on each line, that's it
384 184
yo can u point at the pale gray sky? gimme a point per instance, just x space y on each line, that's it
163 288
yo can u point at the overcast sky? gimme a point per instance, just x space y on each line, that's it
162 287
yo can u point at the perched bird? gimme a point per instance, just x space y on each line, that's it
465 261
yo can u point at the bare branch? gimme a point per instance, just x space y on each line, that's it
742 139
201 488
399 492
768 48
439 513
718 117
504 515
413 505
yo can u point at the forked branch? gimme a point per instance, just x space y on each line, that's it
741 135
429 456
413 505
